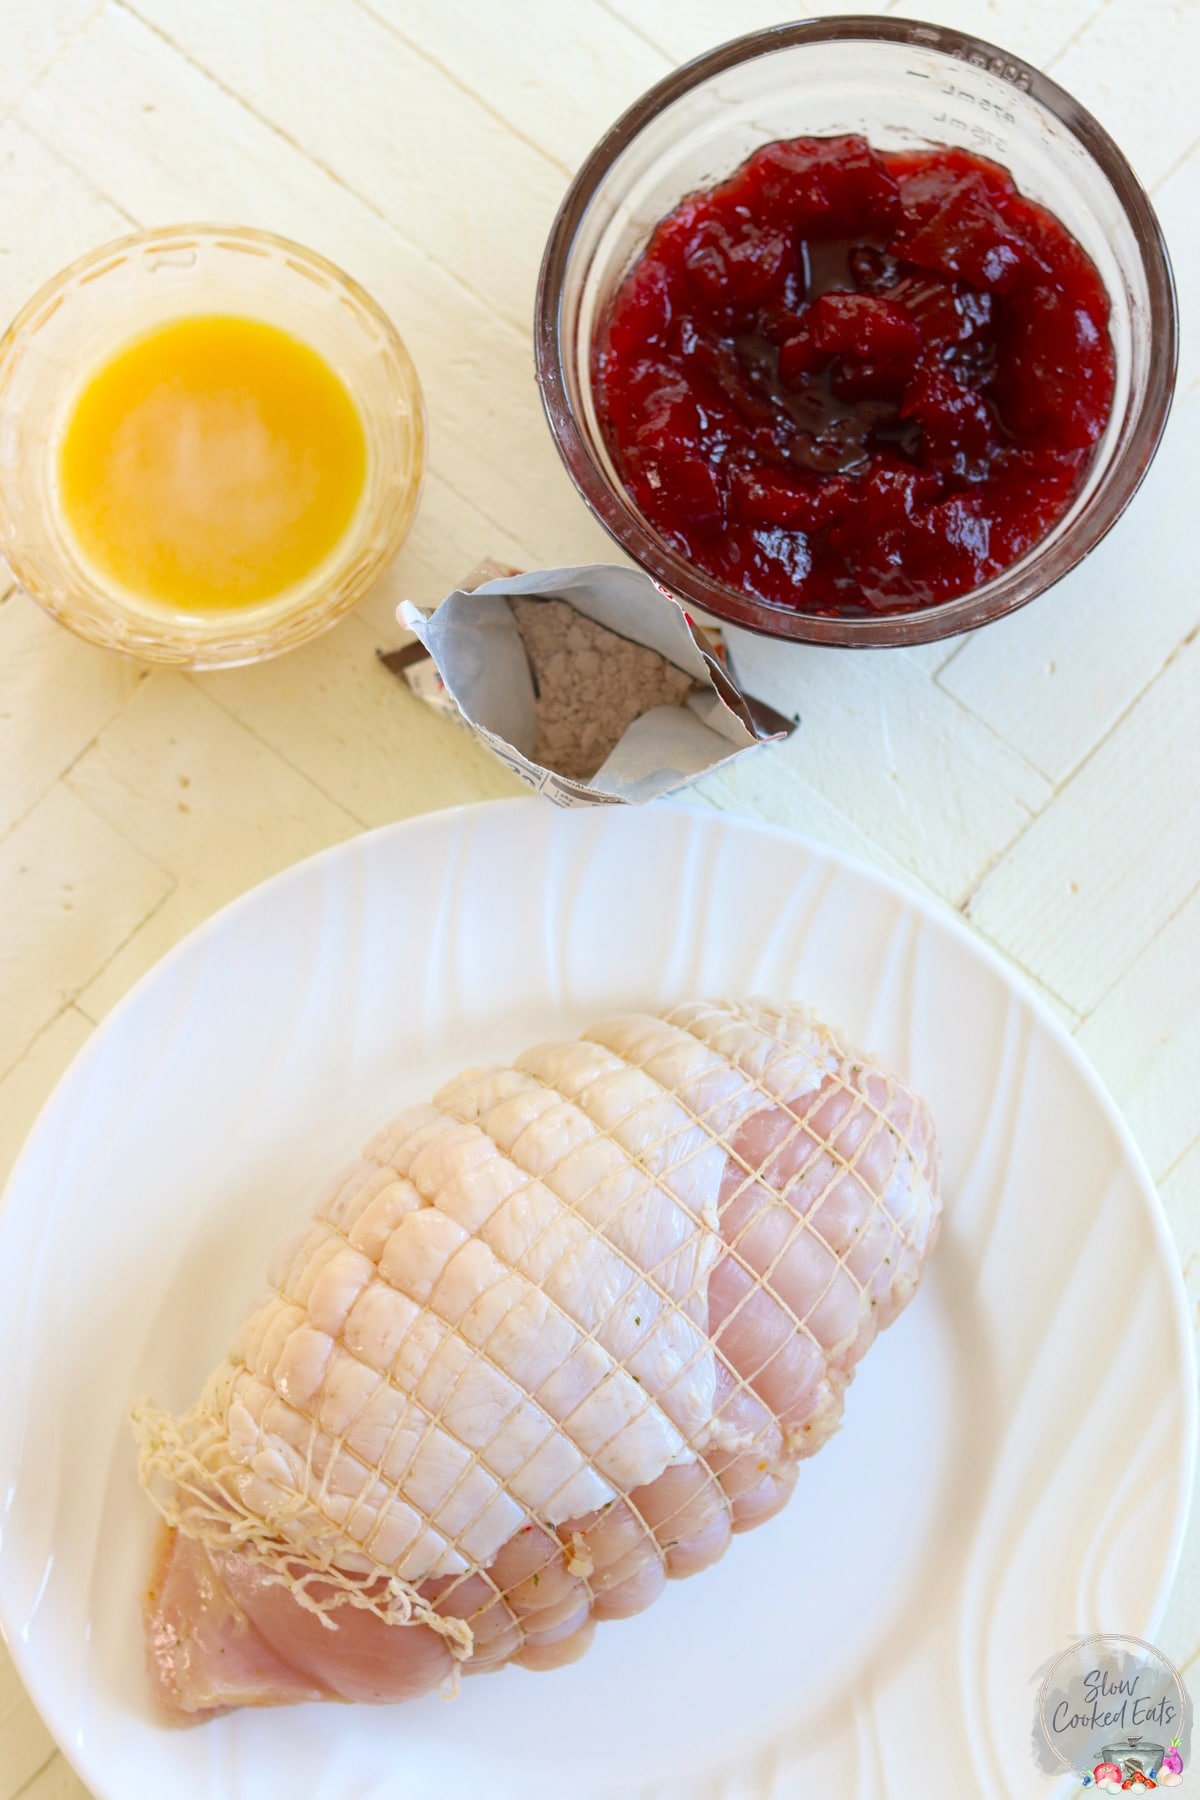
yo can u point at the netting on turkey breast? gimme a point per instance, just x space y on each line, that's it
661 1248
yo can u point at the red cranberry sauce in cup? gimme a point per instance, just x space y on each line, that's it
856 381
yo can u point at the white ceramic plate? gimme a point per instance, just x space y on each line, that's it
1015 1462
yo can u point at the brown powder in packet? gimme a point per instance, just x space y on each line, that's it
591 683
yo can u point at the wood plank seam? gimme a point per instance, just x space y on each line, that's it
273 750
1176 1160
81 174
1175 167
1073 774
54 1756
64 44
76 1001
1009 955
935 668
63 773
1081 30
672 58
72 1001
1010 749
483 300
650 43
463 87
1064 777
935 673
533 560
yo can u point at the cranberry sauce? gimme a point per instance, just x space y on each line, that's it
855 382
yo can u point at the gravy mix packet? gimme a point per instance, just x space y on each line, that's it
592 684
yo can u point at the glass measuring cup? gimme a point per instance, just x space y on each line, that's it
125 288
903 85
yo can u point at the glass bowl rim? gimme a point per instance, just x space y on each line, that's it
1013 587
235 646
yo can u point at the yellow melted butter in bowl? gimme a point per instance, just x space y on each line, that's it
215 461
211 445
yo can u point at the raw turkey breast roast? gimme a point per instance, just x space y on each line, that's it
554 1339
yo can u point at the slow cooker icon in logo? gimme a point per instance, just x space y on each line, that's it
1114 1711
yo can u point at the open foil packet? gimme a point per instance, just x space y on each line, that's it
471 661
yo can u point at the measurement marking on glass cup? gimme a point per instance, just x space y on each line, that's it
952 91
997 66
978 134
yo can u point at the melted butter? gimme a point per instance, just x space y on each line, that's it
214 462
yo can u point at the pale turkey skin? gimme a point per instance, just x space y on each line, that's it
820 1209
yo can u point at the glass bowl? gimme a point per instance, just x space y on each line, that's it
136 284
902 85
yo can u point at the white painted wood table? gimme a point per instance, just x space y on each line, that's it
1043 776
